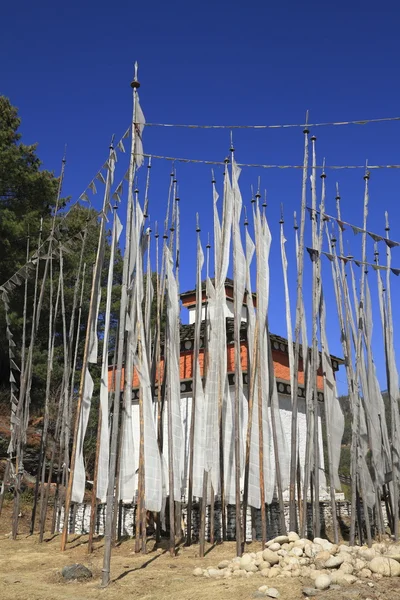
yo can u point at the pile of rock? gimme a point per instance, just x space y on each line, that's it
320 561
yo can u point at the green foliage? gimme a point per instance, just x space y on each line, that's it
27 195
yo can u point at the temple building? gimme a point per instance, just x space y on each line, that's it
280 357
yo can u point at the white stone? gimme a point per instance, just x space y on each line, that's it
274 547
293 536
264 572
264 565
250 568
281 539
325 544
359 564
245 560
272 593
312 550
367 553
321 558
224 564
345 548
385 566
263 588
270 557
296 551
334 562
322 582
365 573
346 567
214 572
197 572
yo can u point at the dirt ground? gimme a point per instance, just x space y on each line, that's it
32 571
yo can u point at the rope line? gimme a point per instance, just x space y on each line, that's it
262 166
283 126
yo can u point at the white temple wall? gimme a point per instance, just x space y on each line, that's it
286 417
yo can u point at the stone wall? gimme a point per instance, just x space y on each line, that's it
253 521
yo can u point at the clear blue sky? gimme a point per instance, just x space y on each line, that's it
67 66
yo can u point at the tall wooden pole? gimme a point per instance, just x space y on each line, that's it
299 316
23 402
91 317
121 336
237 304
196 383
93 503
393 390
204 499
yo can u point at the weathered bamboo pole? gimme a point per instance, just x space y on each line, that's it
93 504
196 383
91 317
203 504
45 490
23 403
237 309
393 389
314 347
327 416
356 428
294 425
253 372
121 334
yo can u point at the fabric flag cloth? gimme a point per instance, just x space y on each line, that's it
153 475
215 389
287 310
173 377
78 486
263 244
102 473
335 418
393 375
230 399
139 123
127 473
198 392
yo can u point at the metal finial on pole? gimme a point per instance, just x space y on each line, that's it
387 228
232 149
258 195
367 173
296 226
135 83
197 223
264 204
281 220
337 191
246 222
306 130
323 174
